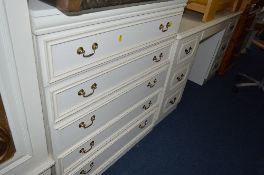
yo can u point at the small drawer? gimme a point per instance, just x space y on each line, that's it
213 30
96 142
86 92
179 76
214 67
188 47
96 119
77 54
117 147
172 100
223 48
231 27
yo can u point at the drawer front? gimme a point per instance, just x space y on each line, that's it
214 68
74 54
116 147
213 30
216 65
223 48
231 27
86 92
188 48
179 76
171 101
116 106
218 59
93 144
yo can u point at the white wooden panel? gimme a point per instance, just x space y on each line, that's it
21 101
218 59
47 19
204 58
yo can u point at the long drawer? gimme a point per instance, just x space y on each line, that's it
94 143
76 96
71 55
96 119
119 145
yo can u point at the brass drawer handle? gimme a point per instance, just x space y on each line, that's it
144 125
86 151
187 51
86 172
81 50
162 28
158 59
180 77
147 107
84 126
216 65
151 85
83 93
173 101
223 47
231 27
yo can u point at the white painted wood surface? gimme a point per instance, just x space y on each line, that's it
57 36
117 145
191 22
20 92
47 19
64 58
106 82
100 140
129 66
191 33
116 105
206 54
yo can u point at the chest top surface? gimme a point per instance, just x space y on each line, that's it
47 19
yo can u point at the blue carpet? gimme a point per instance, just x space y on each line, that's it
212 132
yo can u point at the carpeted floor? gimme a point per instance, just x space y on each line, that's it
213 131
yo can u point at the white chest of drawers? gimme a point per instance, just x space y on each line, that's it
103 76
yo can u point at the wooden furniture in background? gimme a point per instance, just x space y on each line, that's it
241 30
210 7
245 4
